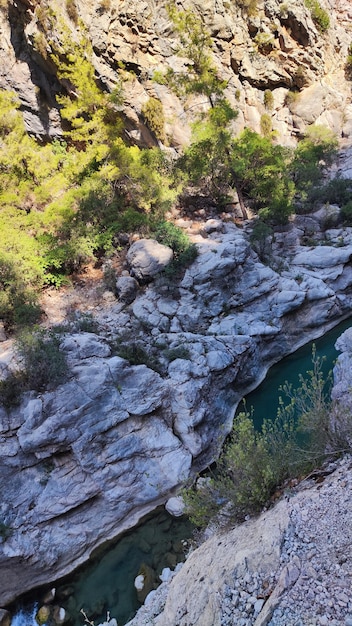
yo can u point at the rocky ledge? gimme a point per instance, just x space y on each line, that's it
84 462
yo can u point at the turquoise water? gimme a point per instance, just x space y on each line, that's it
107 583
265 399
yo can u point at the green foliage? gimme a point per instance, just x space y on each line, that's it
348 65
254 463
5 530
249 6
44 363
268 99
201 76
11 389
170 235
337 191
319 16
137 354
346 212
180 352
18 303
313 155
266 125
260 170
206 162
153 114
259 239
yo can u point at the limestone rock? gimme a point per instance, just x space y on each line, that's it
175 506
126 289
147 258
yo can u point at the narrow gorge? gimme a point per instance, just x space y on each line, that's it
85 461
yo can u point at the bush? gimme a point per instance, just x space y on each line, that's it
44 364
346 212
136 354
254 463
348 65
266 125
72 11
268 99
170 235
153 114
181 352
11 389
319 16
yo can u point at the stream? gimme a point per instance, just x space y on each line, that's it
106 583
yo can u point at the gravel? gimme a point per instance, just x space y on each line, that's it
313 585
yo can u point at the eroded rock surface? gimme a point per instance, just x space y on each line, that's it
117 438
280 49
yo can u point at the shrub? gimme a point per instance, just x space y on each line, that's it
260 241
180 352
291 98
268 99
72 11
170 235
348 65
250 6
346 212
11 389
266 125
264 42
136 354
5 530
153 114
254 463
319 16
44 364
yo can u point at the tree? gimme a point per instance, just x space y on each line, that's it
201 76
260 170
313 155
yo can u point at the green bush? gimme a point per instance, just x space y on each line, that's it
170 235
319 16
254 463
153 114
44 365
348 65
266 125
268 99
11 389
346 212
180 352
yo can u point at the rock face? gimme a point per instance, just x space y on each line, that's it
280 49
117 438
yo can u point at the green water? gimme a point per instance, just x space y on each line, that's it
107 583
265 399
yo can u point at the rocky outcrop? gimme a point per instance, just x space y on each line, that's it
117 438
279 49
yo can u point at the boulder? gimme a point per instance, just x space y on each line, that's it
175 506
126 289
147 258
